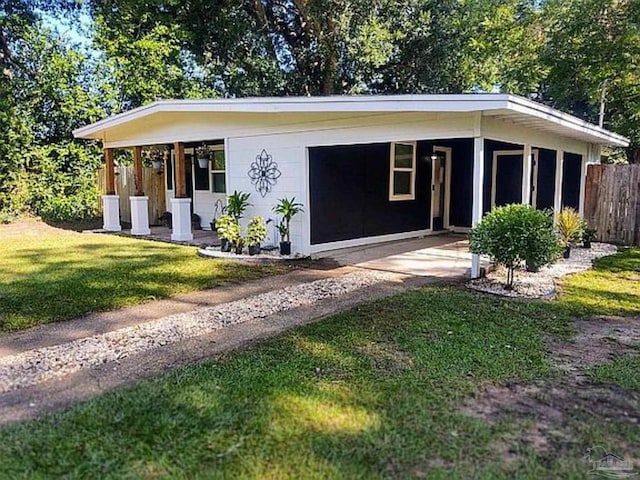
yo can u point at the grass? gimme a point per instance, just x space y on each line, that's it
48 275
369 393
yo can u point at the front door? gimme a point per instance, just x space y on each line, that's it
440 172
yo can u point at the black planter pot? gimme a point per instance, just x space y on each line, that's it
567 252
254 249
285 248
586 243
532 269
225 246
238 249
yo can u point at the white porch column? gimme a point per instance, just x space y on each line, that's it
478 193
527 167
181 219
557 192
111 213
139 215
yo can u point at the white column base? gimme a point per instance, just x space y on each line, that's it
111 213
475 265
139 215
181 219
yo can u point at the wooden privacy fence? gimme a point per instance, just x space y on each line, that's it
153 181
612 202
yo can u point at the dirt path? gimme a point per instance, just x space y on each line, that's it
549 411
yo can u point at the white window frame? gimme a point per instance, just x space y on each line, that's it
393 169
215 148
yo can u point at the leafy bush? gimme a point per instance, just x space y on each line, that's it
516 233
228 228
570 226
256 231
237 203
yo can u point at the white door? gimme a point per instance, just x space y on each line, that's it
440 183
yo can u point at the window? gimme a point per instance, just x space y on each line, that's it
218 172
402 173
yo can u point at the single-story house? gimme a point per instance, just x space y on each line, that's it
366 168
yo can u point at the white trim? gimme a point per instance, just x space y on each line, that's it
211 171
356 242
527 160
557 192
501 104
446 185
494 170
478 194
393 169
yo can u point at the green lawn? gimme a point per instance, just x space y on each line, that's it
47 274
370 393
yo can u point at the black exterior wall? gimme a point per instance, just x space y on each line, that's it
349 193
508 178
571 172
546 185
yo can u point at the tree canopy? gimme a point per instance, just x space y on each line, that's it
572 54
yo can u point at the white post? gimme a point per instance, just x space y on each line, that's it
111 213
557 193
478 194
139 215
527 167
181 219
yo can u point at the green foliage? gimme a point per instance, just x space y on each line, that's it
228 228
569 226
513 234
256 231
288 208
237 203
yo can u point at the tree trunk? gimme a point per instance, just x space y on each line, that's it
633 154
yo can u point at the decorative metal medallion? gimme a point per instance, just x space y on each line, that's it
264 173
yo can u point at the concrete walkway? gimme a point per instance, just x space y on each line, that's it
86 381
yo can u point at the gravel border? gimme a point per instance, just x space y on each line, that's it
541 284
42 364
263 257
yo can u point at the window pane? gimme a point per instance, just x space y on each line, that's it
218 183
402 183
403 156
201 177
218 160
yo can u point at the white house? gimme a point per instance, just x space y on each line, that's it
366 168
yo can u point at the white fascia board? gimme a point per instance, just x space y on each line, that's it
382 103
534 109
486 102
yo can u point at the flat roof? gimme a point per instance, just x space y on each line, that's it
505 106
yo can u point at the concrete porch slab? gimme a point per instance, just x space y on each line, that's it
441 256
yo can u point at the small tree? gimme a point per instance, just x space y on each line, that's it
514 234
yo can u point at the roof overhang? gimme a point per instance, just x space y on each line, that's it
506 107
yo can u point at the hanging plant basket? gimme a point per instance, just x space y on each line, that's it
157 164
203 162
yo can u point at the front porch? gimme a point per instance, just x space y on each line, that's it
163 234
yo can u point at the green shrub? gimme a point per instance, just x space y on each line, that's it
516 233
228 228
570 226
256 231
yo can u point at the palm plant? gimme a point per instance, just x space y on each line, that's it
569 227
288 208
237 203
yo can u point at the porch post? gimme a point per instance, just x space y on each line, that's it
527 167
557 192
139 203
110 201
181 205
593 157
478 193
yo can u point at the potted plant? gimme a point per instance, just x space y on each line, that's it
256 233
228 231
569 228
156 156
237 203
203 155
588 234
288 208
